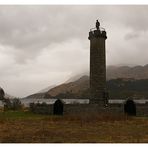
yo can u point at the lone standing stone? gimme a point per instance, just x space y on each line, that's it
97 39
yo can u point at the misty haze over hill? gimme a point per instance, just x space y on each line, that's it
119 71
80 83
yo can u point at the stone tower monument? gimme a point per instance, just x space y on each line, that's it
97 37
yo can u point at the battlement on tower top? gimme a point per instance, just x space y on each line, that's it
97 33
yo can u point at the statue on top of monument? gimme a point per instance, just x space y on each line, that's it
97 24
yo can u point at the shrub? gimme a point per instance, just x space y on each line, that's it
14 104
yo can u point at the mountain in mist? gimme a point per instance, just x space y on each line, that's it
77 86
113 72
136 72
120 88
77 76
46 89
36 96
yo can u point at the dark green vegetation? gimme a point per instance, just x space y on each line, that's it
13 104
124 88
26 127
19 115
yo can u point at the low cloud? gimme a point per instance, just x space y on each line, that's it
45 45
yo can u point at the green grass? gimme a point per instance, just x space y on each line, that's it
19 115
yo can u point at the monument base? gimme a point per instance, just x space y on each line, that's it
100 102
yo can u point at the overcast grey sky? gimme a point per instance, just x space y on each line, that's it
45 45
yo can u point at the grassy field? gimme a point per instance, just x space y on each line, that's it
26 127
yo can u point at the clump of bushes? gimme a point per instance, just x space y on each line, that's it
13 104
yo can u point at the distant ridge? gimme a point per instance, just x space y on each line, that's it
75 87
136 72
78 76
79 84
47 89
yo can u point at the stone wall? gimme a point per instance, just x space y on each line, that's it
84 109
142 109
41 108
